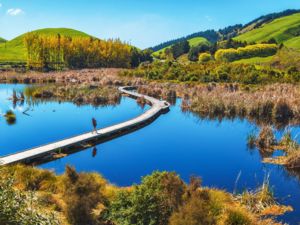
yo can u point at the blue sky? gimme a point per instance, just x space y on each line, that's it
143 23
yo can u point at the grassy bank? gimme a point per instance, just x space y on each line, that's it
161 198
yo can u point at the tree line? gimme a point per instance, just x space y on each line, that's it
56 52
183 47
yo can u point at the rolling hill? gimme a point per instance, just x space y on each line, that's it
284 30
193 42
230 31
15 51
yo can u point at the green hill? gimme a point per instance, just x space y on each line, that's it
284 30
15 51
193 42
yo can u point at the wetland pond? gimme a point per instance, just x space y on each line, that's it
181 142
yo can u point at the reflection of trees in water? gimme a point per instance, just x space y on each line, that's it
278 125
33 102
172 100
17 99
141 102
293 173
218 114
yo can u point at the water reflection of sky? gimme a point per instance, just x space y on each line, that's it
46 122
216 151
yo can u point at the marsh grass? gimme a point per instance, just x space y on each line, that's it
262 201
267 144
87 198
266 138
78 94
276 104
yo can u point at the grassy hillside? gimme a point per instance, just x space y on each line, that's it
193 42
284 30
15 51
197 40
255 60
293 43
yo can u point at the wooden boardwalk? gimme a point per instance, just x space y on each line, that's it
157 107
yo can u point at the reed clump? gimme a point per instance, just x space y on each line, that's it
262 201
276 104
266 138
267 144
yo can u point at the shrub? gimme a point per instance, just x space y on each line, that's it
82 194
201 206
195 211
194 51
250 51
18 207
152 202
205 57
32 179
226 55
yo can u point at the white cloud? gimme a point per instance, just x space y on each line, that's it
0 5
15 12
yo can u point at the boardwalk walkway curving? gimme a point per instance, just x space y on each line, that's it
157 107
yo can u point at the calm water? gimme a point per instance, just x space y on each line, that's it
179 142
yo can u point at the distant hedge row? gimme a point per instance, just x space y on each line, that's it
250 51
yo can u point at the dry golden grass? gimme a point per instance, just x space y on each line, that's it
51 189
276 104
